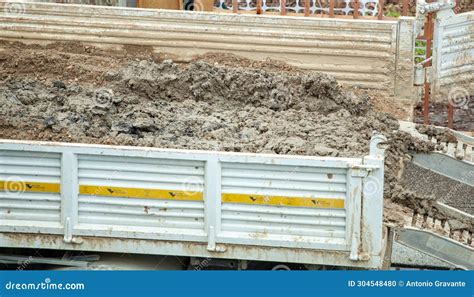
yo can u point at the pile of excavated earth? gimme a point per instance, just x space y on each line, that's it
76 93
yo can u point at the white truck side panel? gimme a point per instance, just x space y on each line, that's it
91 192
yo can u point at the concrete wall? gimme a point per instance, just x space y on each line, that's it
453 58
365 53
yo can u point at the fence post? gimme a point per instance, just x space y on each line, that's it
235 6
405 52
306 8
331 8
283 7
428 33
355 13
380 9
406 7
259 6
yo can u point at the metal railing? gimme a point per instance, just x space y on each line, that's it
322 8
330 8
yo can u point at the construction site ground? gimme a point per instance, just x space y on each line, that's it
462 116
71 92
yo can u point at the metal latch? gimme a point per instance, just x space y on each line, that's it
420 72
419 75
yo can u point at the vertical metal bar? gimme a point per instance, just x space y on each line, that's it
354 184
349 208
69 193
235 6
450 115
427 86
283 7
372 199
380 9
355 13
259 6
406 7
331 8
212 201
306 8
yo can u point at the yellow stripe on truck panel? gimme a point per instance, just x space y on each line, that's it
283 201
140 193
17 186
106 191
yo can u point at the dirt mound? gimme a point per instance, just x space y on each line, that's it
200 106
227 59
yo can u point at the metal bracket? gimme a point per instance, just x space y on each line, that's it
68 238
375 151
420 72
361 170
211 243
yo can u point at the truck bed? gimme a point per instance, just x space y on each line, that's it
312 210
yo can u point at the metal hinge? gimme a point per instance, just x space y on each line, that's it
362 170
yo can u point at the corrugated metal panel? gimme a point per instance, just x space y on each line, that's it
263 222
356 52
218 198
98 210
22 200
268 221
453 72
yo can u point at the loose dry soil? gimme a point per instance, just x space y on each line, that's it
75 93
